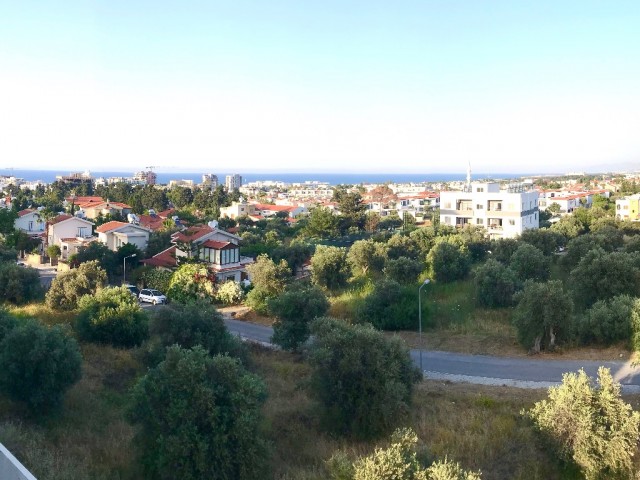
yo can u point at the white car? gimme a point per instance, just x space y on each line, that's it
152 296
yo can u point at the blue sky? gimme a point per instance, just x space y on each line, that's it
420 86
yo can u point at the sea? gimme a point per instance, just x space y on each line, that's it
49 176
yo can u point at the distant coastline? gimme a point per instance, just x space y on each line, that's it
49 176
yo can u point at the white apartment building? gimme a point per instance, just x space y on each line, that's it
233 182
504 213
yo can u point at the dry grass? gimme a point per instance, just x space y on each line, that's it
43 313
481 427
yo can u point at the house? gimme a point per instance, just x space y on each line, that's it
504 213
116 234
30 222
628 208
267 210
93 207
69 233
238 209
216 248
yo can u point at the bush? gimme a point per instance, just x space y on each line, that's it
19 285
7 323
38 365
403 269
156 279
397 462
546 240
608 321
590 426
258 300
191 282
449 261
390 307
403 246
366 256
294 309
112 316
199 417
230 293
362 379
601 275
495 284
578 247
188 326
529 263
329 267
67 288
268 279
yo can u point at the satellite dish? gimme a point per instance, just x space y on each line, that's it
213 224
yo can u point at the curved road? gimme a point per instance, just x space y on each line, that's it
482 369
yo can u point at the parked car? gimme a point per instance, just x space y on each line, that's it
152 296
135 291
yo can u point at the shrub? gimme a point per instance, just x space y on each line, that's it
503 248
294 309
19 285
38 365
396 462
608 321
366 256
7 323
529 263
449 261
590 426
542 315
601 275
230 293
546 240
403 246
156 279
389 307
67 288
495 284
268 279
362 379
403 269
191 282
188 326
199 417
112 316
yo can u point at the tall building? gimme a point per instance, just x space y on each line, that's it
233 182
210 180
504 213
147 177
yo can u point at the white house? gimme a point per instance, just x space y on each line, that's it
30 222
115 234
504 213
69 233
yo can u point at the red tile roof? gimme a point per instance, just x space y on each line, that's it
275 208
109 226
191 234
152 223
215 244
60 218
26 211
166 213
166 258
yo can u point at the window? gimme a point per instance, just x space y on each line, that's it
82 232
447 220
512 222
480 189
30 226
479 206
479 221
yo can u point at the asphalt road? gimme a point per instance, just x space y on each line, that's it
482 369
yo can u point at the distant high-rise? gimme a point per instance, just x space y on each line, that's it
210 180
233 182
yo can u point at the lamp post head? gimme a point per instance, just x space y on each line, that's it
427 281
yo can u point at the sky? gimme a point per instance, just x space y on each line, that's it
343 86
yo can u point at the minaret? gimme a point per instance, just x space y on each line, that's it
469 176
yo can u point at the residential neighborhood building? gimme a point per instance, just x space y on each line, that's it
94 207
216 248
504 213
209 180
30 222
116 234
238 209
69 233
628 208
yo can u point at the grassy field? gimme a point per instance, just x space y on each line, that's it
481 427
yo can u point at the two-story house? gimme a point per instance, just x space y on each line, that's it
116 234
69 233
218 249
31 222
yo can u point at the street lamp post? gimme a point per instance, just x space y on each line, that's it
124 267
426 282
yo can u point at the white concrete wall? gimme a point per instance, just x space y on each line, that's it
22 223
11 468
